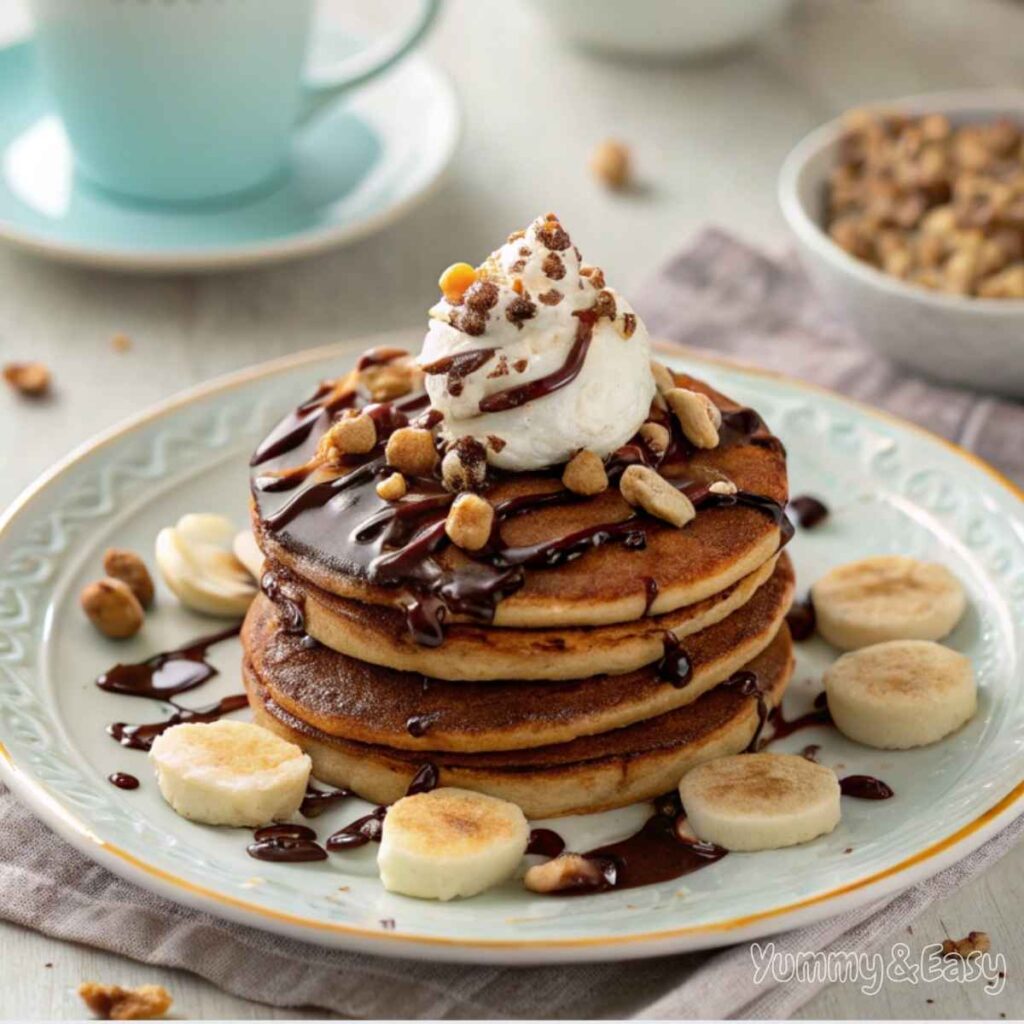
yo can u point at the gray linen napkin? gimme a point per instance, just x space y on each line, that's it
720 294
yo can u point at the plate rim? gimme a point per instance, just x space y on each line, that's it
918 865
227 258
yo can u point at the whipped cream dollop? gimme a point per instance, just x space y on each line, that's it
534 357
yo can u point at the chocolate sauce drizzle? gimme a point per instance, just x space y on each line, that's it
658 852
675 666
865 787
166 675
123 780
810 511
286 843
316 801
162 677
370 827
801 619
397 544
545 842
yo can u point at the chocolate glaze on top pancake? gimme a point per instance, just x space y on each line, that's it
355 700
588 774
554 559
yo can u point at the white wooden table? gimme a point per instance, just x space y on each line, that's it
708 140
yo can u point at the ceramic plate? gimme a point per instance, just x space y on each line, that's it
891 487
353 170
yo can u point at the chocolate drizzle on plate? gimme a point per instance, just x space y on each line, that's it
658 852
286 843
545 842
370 827
810 511
316 801
865 787
142 737
801 619
166 675
123 780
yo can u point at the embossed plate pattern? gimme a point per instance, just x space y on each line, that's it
892 488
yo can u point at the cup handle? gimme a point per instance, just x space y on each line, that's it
323 88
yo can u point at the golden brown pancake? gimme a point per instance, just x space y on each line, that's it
352 699
589 774
605 584
379 634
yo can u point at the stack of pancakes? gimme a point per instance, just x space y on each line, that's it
585 659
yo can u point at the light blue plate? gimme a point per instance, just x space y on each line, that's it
353 170
891 487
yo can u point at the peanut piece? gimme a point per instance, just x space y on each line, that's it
566 871
29 379
126 566
610 163
392 488
585 473
411 451
699 417
112 608
656 437
469 521
111 1002
662 377
353 434
456 281
641 485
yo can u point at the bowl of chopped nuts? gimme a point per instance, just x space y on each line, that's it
909 219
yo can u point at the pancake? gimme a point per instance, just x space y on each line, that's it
354 700
380 635
589 774
334 532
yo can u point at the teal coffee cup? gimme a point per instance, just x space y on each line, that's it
186 100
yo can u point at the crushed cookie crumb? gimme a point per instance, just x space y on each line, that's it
553 235
553 266
551 297
111 1002
501 369
496 443
520 365
520 310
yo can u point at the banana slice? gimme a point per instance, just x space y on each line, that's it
760 801
450 842
230 773
196 560
248 553
904 693
888 597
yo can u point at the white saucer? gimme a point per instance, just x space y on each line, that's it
354 170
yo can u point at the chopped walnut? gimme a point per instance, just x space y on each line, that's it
128 567
354 434
411 451
974 944
643 486
29 379
585 474
699 417
662 377
392 487
111 1002
936 205
469 522
593 274
656 437
112 608
610 162
565 872
604 305
464 467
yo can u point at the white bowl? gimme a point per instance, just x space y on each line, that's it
662 29
969 341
